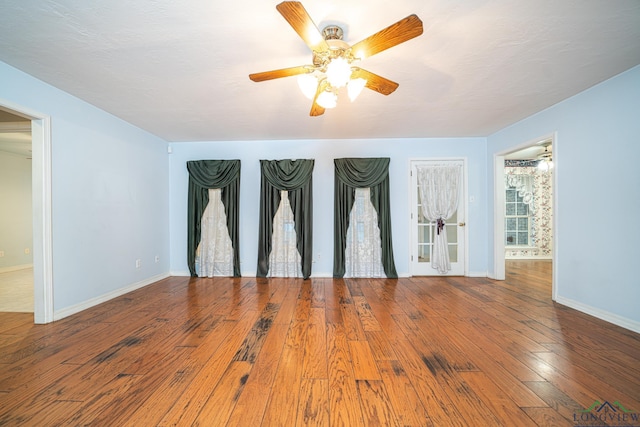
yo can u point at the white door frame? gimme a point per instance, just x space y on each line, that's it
464 212
41 210
498 209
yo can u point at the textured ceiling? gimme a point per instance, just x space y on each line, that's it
179 69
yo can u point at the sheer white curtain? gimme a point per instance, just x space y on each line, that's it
284 259
214 256
439 187
363 253
522 182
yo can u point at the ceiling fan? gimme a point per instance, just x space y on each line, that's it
332 64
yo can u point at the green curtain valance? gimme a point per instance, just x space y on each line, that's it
352 173
293 176
362 172
203 175
287 174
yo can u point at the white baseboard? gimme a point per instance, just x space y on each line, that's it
68 311
477 274
623 322
15 268
180 273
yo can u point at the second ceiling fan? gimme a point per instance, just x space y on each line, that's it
333 58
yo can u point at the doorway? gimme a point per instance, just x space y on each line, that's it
525 206
423 231
16 230
41 209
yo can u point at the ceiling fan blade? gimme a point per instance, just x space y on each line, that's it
393 35
276 74
375 82
297 16
317 110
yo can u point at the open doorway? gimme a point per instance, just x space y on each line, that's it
524 210
41 247
16 228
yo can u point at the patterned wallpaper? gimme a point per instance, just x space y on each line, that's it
542 221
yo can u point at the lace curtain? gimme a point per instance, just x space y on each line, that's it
284 259
214 256
439 187
523 183
363 254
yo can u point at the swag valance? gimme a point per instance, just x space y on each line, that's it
294 176
204 175
352 173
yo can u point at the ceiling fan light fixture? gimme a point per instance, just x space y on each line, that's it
354 88
327 99
545 162
308 84
331 65
338 72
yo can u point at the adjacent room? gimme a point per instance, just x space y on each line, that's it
319 213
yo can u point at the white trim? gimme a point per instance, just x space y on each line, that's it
477 274
180 273
41 208
68 311
623 322
498 218
15 268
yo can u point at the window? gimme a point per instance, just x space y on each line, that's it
517 220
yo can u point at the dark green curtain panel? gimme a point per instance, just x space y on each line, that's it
203 175
352 173
293 176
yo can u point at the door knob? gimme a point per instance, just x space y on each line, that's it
462 224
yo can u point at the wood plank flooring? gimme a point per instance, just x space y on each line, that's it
322 352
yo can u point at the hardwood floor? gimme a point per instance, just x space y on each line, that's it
361 352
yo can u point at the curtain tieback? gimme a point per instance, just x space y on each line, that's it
439 225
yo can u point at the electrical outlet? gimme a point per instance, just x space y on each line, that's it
157 259
1 254
138 263
27 251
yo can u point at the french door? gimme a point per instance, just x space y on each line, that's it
423 231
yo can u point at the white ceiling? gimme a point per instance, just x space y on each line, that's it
179 68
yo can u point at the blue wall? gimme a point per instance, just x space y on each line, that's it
399 150
118 198
598 198
109 194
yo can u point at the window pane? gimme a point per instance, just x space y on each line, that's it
423 253
510 238
421 218
454 218
523 209
523 238
511 195
423 233
523 224
452 233
511 209
510 224
289 231
453 253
